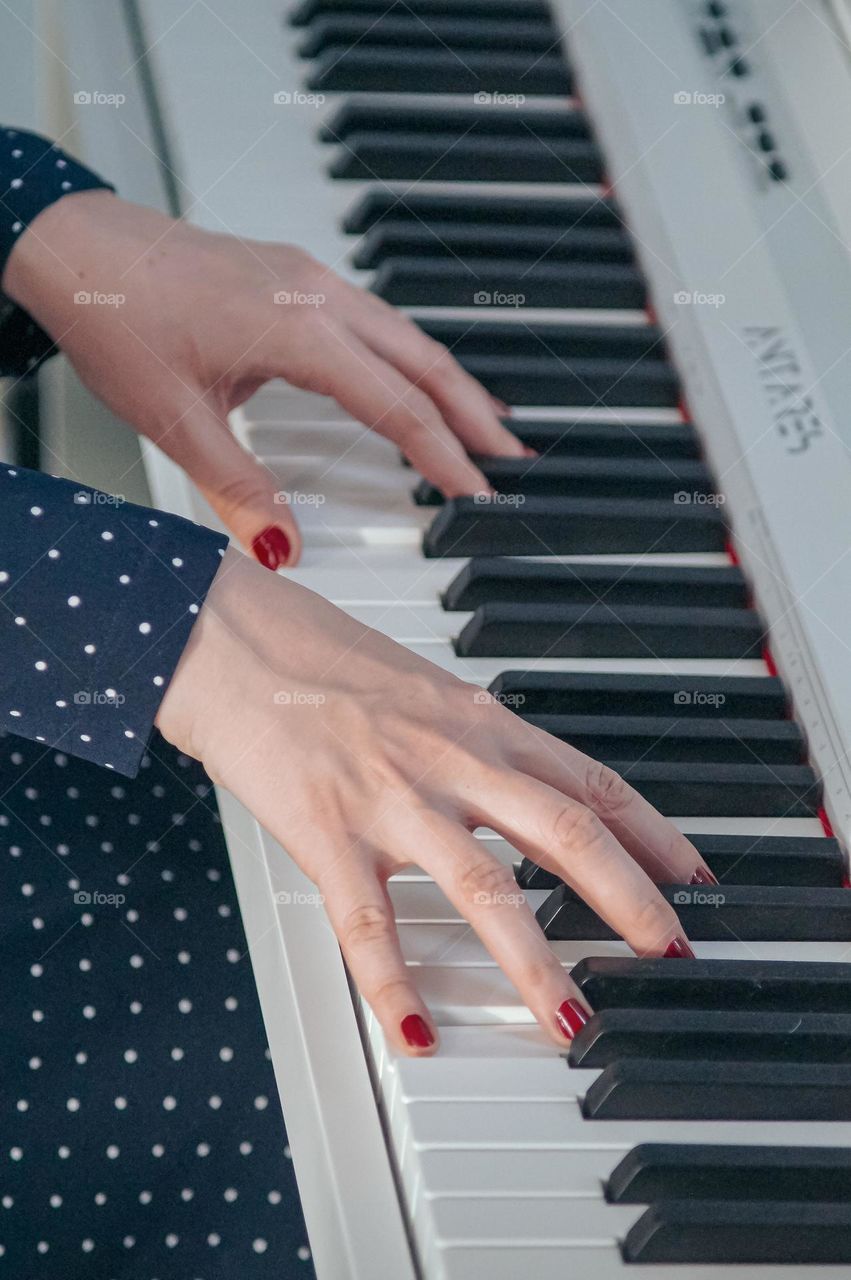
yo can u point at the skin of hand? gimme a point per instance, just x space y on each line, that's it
204 321
362 758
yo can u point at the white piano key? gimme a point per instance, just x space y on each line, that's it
561 1126
485 670
587 1262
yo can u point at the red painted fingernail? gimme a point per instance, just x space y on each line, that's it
272 547
703 876
417 1032
571 1018
679 949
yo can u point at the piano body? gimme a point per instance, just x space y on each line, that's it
632 222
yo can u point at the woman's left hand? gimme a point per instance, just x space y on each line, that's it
194 323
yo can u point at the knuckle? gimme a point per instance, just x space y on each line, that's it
606 789
366 927
390 991
578 827
483 881
652 920
536 974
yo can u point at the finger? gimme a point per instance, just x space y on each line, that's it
570 840
382 398
471 411
362 917
242 492
658 846
486 894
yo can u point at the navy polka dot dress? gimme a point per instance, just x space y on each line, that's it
141 1136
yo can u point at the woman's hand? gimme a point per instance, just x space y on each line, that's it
362 758
190 328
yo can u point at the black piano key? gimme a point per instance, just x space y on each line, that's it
779 860
550 380
440 32
363 114
628 982
669 738
584 344
444 157
493 579
608 439
561 477
498 630
307 10
750 1231
719 913
710 1171
773 859
383 69
650 1089
710 1036
736 790
590 693
395 238
423 208
572 526
443 282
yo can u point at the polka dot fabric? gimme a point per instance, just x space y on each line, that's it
34 173
141 1136
98 600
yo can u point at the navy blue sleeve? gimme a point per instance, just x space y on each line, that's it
34 173
98 599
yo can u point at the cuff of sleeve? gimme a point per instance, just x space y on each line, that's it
168 577
34 173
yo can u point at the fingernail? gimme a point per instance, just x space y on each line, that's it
417 1032
679 949
571 1018
272 547
703 876
529 452
500 406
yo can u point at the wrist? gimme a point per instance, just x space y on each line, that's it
56 257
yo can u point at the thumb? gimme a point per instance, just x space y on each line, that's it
241 491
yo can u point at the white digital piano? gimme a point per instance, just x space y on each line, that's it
631 219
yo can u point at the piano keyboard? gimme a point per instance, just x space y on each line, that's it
436 152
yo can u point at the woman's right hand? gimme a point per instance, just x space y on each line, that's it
362 758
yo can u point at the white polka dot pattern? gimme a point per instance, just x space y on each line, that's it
91 638
141 1136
